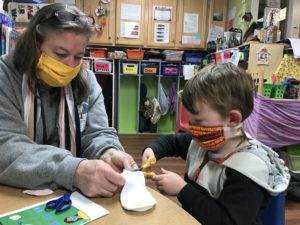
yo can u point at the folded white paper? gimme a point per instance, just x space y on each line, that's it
134 195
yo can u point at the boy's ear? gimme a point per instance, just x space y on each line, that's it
235 118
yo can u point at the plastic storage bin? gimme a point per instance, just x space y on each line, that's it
294 156
268 90
149 68
192 57
170 69
279 91
87 63
102 66
135 53
274 91
173 55
130 68
97 52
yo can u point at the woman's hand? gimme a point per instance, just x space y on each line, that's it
97 178
118 160
168 182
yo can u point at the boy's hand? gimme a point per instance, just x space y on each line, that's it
168 182
148 153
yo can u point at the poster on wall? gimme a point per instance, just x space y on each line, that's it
130 30
23 12
130 12
161 33
163 13
190 22
193 39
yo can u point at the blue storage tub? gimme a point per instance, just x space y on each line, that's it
192 57
149 68
170 69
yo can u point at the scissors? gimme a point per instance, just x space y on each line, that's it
146 168
61 204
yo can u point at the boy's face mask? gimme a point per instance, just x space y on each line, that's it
54 73
211 138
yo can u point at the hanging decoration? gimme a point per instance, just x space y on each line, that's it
101 12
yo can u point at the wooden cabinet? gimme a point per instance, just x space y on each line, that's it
130 22
191 25
162 16
104 24
217 13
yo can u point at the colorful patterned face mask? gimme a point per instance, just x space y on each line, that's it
211 138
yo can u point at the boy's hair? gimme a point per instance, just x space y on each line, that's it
223 87
53 18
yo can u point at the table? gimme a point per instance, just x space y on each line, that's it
164 212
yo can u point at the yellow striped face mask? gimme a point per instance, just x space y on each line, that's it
54 73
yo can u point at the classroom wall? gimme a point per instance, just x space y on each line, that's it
236 10
293 19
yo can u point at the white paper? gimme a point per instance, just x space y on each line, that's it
130 12
190 22
232 13
190 39
188 71
91 209
215 32
162 13
235 58
295 46
161 32
130 30
23 12
68 2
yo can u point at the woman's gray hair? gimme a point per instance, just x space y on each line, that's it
46 21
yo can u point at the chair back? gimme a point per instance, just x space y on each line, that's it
182 124
274 214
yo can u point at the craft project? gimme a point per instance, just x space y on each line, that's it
81 211
134 195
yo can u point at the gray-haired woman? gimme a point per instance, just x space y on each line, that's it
52 111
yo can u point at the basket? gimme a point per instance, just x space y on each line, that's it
97 52
170 69
135 53
268 90
279 91
173 55
149 68
294 156
192 57
274 91
102 66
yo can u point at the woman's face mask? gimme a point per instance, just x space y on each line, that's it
54 73
211 138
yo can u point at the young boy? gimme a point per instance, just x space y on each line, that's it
229 176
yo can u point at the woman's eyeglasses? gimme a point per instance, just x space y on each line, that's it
66 16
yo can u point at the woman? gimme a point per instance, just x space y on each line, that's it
52 112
